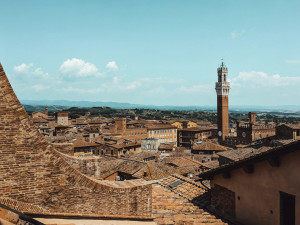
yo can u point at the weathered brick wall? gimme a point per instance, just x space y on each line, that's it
223 200
223 117
32 171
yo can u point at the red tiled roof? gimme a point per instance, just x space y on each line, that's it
292 125
126 145
82 143
253 158
197 129
160 127
39 120
163 146
171 208
208 146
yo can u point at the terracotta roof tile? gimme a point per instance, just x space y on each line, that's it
83 143
206 145
171 208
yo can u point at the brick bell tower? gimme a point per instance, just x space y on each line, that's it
222 89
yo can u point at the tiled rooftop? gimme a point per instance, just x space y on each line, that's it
83 143
209 146
170 208
293 125
186 188
242 153
183 161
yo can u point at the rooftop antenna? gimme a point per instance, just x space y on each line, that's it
222 64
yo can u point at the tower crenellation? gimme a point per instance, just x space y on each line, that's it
222 86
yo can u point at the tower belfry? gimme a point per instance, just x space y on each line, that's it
222 89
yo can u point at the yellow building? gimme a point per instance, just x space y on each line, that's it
166 133
184 124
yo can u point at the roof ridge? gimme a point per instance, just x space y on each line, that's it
195 161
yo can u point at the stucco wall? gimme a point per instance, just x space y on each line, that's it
259 191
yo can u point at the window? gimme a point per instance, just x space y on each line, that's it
298 132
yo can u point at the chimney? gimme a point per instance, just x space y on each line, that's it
185 124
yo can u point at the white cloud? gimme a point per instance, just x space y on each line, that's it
27 71
161 80
79 68
119 85
197 88
255 79
80 90
23 68
260 88
40 87
236 34
293 61
28 78
112 66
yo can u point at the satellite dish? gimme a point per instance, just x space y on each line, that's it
220 133
244 134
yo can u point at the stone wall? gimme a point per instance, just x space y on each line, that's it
223 200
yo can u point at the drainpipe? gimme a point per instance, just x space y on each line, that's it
201 181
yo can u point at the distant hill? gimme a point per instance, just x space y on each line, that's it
55 105
51 108
115 105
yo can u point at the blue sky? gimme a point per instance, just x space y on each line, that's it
152 52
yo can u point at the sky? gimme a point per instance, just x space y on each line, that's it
159 52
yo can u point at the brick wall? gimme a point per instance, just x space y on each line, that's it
223 117
32 171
